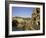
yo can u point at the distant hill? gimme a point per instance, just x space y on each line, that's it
22 16
25 18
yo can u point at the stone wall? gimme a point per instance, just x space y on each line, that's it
36 18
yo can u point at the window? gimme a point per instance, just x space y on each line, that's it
35 19
38 10
38 23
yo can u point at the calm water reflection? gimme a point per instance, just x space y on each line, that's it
14 29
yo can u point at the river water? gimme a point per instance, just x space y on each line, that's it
14 29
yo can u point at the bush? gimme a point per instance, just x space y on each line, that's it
14 23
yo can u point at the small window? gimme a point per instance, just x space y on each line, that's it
34 18
37 15
38 10
38 23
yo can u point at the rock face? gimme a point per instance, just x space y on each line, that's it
32 23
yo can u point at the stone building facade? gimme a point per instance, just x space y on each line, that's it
36 19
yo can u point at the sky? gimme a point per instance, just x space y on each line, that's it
22 11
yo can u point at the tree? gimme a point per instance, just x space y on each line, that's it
14 23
